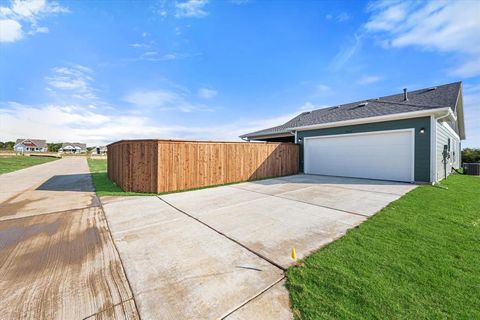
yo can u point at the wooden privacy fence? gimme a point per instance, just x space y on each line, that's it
170 165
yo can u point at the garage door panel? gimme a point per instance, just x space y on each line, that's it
376 155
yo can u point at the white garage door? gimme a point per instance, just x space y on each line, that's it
384 155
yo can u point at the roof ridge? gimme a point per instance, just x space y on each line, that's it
408 104
391 95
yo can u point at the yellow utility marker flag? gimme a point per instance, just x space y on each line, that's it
294 254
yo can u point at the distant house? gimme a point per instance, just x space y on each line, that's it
100 150
30 145
73 147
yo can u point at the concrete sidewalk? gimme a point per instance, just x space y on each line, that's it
57 257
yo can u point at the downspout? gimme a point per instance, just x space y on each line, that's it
444 116
294 132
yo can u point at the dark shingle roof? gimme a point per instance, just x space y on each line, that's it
418 100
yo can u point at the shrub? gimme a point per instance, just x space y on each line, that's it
470 155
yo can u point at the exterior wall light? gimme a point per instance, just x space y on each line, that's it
422 130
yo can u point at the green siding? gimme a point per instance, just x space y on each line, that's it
422 140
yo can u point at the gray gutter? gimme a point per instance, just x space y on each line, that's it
267 136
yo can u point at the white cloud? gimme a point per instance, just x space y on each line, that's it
28 8
170 56
321 88
25 14
152 99
344 55
368 79
191 8
73 81
467 69
77 123
155 57
206 93
387 17
69 78
308 106
163 100
10 30
342 17
150 53
40 30
240 2
33 8
443 26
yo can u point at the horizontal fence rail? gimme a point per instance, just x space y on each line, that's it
170 165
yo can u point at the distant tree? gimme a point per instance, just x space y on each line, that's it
471 155
7 145
53 147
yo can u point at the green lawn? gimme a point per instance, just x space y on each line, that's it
103 185
419 258
13 163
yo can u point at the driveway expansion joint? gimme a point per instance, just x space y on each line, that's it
111 307
224 235
254 297
356 189
119 257
306 202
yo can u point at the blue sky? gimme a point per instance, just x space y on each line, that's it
100 71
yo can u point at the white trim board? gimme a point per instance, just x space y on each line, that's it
433 149
450 129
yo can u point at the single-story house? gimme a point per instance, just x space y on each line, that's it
73 147
30 145
100 150
411 136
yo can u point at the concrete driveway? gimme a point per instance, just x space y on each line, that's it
57 257
222 252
